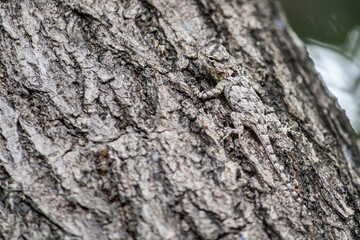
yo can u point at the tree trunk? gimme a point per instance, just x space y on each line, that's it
102 137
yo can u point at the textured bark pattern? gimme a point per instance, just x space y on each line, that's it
101 137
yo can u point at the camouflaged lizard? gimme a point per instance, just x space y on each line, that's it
248 109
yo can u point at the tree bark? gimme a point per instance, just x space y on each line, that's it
102 138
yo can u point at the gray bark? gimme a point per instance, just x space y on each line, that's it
101 137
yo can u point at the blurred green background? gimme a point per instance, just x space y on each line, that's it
331 31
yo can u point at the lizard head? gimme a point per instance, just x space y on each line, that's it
216 60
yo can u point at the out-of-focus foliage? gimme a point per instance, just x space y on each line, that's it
331 31
328 21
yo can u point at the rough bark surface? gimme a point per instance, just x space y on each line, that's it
101 137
